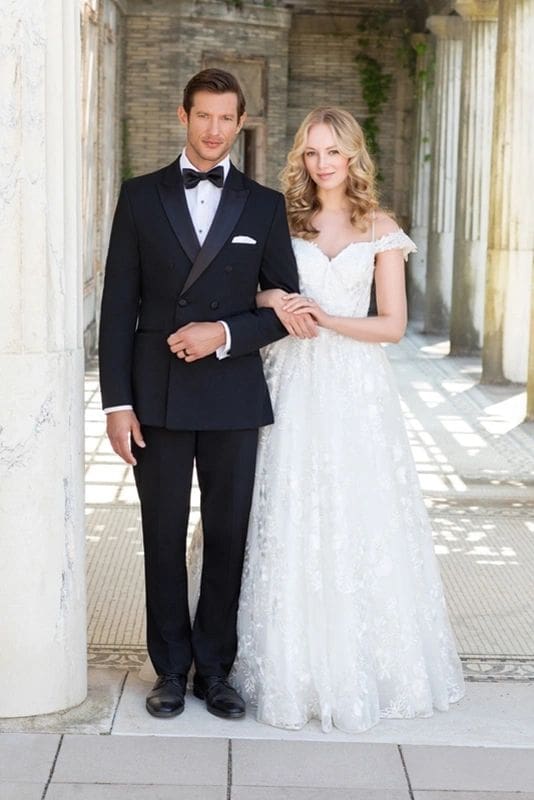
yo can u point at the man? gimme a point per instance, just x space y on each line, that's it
182 378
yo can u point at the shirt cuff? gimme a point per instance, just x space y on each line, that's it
224 350
117 408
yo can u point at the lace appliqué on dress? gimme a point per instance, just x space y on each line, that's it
397 240
342 616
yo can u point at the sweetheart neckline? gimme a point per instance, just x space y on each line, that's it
350 244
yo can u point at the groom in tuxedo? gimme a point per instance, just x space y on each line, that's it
182 378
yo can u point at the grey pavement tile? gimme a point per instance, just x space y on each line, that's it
473 795
142 760
307 793
317 764
94 715
474 769
21 791
117 791
27 757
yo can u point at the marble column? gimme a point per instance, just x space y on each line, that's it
444 163
511 229
474 164
42 593
530 379
420 189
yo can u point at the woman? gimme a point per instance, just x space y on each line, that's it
342 616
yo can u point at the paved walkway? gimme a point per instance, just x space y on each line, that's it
77 767
476 469
476 466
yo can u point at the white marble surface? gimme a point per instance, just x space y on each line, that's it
42 593
444 167
491 715
93 716
474 163
511 233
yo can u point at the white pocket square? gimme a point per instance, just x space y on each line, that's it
243 240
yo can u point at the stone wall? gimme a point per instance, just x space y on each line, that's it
323 70
101 34
166 43
306 58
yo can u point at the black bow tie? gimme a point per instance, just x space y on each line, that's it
192 178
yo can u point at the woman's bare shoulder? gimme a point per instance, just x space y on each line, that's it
385 223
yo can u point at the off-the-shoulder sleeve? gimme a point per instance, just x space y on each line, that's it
397 240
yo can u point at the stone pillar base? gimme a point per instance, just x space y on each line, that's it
42 629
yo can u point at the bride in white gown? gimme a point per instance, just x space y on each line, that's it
342 616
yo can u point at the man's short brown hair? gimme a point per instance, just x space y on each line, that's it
217 81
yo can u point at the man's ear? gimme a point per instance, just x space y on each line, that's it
182 115
242 121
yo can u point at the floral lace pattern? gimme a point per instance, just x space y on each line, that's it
342 615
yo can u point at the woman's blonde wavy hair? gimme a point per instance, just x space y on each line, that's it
301 192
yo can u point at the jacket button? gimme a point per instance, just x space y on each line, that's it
214 304
228 268
182 302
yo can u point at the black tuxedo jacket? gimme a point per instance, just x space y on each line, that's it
159 278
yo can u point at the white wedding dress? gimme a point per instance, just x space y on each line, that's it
342 615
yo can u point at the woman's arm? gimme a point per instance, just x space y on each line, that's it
390 323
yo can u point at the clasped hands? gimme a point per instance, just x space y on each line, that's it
305 309
299 315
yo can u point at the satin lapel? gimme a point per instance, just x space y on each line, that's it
230 208
172 195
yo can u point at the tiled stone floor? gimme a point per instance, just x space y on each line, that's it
34 766
475 461
476 466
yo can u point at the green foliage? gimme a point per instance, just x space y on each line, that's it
376 85
372 26
375 82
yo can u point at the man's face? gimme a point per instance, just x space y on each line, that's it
212 127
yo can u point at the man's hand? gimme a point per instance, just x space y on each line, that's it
197 340
302 326
122 426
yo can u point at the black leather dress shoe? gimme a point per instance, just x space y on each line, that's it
167 698
221 698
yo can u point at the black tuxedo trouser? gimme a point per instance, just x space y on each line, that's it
225 462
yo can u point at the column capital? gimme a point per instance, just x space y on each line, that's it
478 10
446 27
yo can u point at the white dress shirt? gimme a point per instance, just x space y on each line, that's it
202 202
203 199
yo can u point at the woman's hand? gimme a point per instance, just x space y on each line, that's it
298 305
270 298
302 326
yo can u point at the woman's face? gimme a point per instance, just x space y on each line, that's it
325 164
